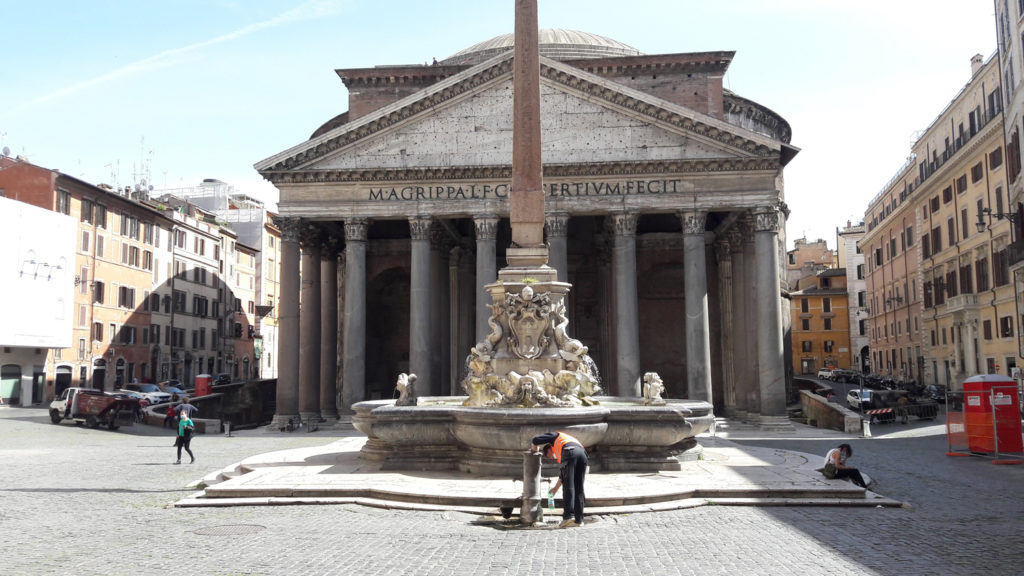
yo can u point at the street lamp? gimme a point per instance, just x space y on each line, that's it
988 212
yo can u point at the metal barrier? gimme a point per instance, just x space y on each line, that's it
956 432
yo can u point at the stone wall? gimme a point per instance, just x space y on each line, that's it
832 415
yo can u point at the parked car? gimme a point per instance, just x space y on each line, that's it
825 373
858 398
171 389
129 394
150 392
222 378
843 376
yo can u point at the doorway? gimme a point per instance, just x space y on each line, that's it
10 383
63 379
387 333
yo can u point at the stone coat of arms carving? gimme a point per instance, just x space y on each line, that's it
529 317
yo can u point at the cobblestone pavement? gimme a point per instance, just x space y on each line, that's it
80 501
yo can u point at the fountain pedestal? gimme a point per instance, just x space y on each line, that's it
620 434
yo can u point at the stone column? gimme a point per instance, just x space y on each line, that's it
695 286
627 309
309 337
486 271
463 304
419 303
771 367
739 327
440 313
287 395
354 367
752 328
557 225
724 257
329 330
604 256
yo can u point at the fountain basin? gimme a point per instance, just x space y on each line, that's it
620 434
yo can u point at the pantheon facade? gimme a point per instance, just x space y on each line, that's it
664 209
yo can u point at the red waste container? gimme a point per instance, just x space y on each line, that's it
204 384
991 412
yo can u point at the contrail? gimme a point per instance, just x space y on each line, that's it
306 11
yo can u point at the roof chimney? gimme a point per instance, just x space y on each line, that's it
976 63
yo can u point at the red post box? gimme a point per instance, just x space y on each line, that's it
992 414
204 384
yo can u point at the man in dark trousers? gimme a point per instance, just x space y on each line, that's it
572 458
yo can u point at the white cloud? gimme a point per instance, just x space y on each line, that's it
307 11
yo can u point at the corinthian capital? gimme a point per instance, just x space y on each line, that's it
486 227
419 227
290 227
557 224
694 222
767 219
355 229
624 223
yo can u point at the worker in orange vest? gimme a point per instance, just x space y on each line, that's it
572 458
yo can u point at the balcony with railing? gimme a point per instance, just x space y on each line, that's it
962 302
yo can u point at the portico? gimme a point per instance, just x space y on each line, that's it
667 220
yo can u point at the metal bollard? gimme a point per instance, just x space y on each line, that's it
227 428
531 510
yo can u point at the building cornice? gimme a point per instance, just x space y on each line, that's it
592 87
504 172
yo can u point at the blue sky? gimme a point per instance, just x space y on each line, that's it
110 91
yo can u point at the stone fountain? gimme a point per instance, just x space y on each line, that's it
528 376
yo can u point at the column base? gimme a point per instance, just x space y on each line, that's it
281 422
310 417
776 424
328 415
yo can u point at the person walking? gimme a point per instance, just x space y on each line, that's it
572 459
835 465
187 407
184 440
902 410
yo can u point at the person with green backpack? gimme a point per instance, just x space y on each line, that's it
185 429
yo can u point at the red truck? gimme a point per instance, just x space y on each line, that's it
94 407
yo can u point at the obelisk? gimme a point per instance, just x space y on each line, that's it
526 202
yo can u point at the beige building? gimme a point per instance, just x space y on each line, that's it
252 226
1010 46
807 259
851 260
267 297
941 305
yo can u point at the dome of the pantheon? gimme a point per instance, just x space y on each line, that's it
554 43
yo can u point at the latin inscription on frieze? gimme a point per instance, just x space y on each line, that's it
492 191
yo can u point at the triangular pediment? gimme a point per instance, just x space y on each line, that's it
465 121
